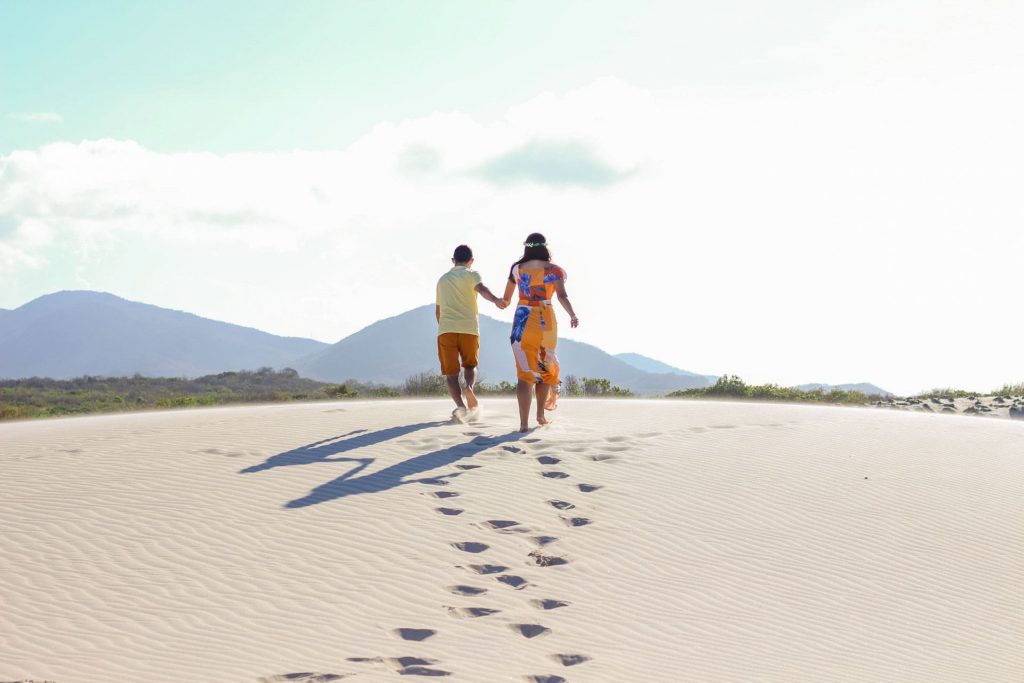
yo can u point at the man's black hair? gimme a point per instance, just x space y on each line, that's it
462 254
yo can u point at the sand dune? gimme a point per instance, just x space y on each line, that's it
630 541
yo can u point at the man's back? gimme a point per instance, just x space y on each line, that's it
456 297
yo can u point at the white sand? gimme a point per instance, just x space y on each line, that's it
728 542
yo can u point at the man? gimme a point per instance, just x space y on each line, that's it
458 328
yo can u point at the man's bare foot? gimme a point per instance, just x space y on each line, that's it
524 428
460 415
471 400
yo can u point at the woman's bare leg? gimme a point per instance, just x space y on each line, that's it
524 395
542 399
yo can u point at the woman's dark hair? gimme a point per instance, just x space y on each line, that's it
535 248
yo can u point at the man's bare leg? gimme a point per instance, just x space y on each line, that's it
455 390
471 400
523 395
542 399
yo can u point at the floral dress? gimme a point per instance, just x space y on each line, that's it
534 326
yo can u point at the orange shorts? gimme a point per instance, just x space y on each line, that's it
453 345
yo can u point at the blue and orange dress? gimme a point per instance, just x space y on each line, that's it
534 326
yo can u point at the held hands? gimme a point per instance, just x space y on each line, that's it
501 304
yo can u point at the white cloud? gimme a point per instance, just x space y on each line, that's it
36 117
863 231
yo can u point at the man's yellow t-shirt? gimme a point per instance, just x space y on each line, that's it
456 295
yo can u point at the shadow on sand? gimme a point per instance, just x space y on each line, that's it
397 474
349 484
321 451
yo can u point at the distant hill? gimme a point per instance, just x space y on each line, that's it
862 387
74 333
648 364
390 350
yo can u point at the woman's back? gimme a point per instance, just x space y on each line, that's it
535 279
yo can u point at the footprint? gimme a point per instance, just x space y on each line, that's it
530 630
512 449
549 604
570 660
531 440
487 568
412 661
542 560
443 494
422 671
603 458
615 439
516 582
469 467
561 504
471 612
500 523
554 474
436 481
544 540
470 547
547 679
548 460
466 590
303 677
450 511
587 488
577 521
414 633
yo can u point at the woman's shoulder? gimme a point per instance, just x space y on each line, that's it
555 268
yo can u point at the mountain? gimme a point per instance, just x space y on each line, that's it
648 364
74 333
862 387
390 350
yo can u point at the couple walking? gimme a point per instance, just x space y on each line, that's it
534 327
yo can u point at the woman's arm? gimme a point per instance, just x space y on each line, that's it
486 293
509 288
563 299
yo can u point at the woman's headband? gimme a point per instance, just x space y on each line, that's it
535 244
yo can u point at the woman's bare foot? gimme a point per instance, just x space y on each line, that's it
541 420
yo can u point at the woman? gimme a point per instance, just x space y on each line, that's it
534 327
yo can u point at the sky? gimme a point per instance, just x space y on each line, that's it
798 191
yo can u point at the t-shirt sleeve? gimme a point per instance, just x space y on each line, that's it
476 279
437 293
561 273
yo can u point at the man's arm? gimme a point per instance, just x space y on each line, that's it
486 293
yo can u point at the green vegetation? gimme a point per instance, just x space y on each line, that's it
947 392
731 386
1011 390
41 397
591 386
38 397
